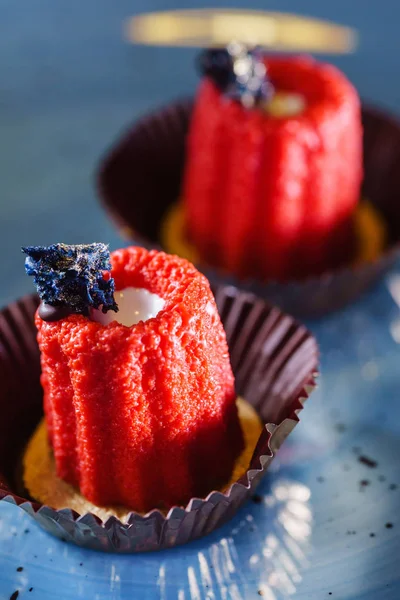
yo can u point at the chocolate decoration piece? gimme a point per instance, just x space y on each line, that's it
53 313
217 63
239 72
72 276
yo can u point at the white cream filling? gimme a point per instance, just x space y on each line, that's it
135 304
285 104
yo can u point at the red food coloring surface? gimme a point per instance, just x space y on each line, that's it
143 416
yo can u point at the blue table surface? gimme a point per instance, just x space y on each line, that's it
68 86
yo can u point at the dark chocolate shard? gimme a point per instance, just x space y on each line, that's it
239 71
217 63
72 276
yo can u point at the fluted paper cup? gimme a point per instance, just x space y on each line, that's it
140 179
275 361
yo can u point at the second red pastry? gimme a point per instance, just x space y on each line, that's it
270 191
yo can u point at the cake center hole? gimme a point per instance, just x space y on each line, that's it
135 304
285 104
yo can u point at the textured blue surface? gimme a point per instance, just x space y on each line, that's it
68 86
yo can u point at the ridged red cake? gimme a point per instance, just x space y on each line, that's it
143 416
272 197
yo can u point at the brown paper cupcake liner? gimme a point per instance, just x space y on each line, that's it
275 362
140 179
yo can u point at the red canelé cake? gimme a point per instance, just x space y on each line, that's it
143 416
273 196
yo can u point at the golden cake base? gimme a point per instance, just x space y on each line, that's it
43 485
369 226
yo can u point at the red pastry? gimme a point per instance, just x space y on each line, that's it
273 195
145 415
